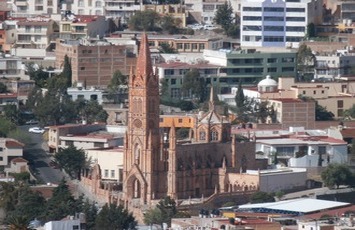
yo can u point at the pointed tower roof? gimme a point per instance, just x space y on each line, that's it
213 99
144 64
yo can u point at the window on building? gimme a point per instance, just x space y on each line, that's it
194 46
169 72
303 92
106 172
99 144
202 135
82 68
322 149
273 28
175 93
340 112
81 3
1 149
257 9
273 18
112 173
340 103
66 27
295 19
201 46
271 60
186 46
180 120
285 150
287 59
273 39
214 135
98 4
1 158
69 143
28 29
288 69
173 81
314 92
295 28
295 10
252 18
75 227
272 70
273 9
179 46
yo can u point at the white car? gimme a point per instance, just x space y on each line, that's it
209 27
36 130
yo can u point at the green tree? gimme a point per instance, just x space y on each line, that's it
261 197
91 111
144 21
306 61
311 30
350 113
29 204
224 16
62 203
8 196
114 217
90 210
6 126
262 111
72 160
239 97
162 213
166 48
337 174
3 88
194 86
322 114
11 113
67 71
169 24
18 223
153 216
117 86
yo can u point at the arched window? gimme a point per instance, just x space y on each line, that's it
214 135
202 135
81 3
137 153
136 189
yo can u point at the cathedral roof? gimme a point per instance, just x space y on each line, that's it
144 65
213 118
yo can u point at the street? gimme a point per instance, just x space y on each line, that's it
39 159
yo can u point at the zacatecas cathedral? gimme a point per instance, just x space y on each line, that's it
207 164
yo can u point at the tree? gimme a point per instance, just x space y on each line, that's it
114 217
72 160
337 174
169 24
144 21
67 71
3 88
311 30
306 61
90 210
162 213
117 86
167 48
262 112
62 203
224 16
11 113
350 113
6 126
194 86
322 114
91 111
261 197
239 97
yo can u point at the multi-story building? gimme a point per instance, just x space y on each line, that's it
28 8
176 11
334 65
121 9
110 169
84 26
90 94
33 37
250 65
277 23
187 43
173 74
11 67
204 10
93 64
8 99
9 149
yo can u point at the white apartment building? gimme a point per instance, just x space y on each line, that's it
33 37
335 65
11 67
90 94
122 9
204 10
28 8
277 23
110 170
9 149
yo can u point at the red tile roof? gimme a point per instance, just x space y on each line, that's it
19 160
13 144
348 132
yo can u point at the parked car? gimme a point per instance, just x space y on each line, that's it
36 130
31 122
209 27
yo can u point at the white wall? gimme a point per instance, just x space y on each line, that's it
282 181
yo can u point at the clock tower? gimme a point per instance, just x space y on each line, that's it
142 166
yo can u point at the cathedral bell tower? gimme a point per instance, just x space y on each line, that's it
142 140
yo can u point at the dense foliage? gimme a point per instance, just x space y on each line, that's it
337 174
262 197
21 205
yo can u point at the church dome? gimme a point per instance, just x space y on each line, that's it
267 85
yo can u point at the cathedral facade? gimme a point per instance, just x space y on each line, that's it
156 167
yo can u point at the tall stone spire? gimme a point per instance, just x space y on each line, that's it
213 98
144 65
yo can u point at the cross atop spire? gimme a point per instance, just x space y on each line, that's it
144 64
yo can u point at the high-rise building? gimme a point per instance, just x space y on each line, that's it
277 22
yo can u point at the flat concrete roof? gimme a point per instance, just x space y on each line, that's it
296 206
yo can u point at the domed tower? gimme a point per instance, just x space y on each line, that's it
267 85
